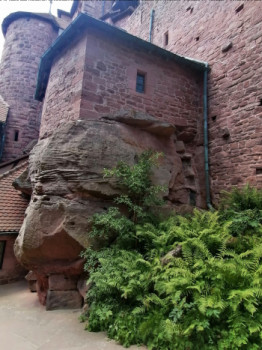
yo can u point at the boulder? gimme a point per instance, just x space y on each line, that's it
23 184
66 172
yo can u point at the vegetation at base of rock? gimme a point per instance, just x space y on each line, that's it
207 295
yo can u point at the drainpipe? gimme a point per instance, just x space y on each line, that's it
103 8
208 197
152 14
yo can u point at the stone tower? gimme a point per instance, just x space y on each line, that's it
27 37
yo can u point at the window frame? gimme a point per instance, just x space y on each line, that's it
142 75
2 253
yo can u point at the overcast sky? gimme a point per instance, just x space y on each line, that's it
9 6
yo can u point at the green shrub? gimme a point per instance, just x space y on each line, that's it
241 199
185 283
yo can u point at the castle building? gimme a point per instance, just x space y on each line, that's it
194 29
104 56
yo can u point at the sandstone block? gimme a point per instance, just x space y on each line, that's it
63 300
61 282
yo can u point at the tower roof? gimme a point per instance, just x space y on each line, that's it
56 22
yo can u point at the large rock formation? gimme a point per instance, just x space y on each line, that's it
66 173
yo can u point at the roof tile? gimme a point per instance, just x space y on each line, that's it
12 203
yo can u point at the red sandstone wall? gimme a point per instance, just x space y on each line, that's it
26 41
201 29
105 83
64 89
97 76
96 8
172 92
11 270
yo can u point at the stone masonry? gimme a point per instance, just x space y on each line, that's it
226 34
86 83
26 40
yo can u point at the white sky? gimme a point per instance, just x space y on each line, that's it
9 6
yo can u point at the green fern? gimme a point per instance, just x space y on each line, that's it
208 296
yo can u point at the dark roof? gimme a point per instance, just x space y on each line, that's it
118 14
82 22
62 12
6 166
12 203
72 11
74 7
16 15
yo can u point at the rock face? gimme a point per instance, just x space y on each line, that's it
66 173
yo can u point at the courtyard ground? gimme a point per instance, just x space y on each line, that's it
26 325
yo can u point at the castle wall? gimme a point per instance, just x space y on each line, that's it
64 89
172 93
26 40
87 82
94 8
11 270
206 30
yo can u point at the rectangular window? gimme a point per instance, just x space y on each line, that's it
2 252
166 39
140 82
16 135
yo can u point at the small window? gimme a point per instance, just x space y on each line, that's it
192 197
166 39
140 82
239 8
16 135
2 252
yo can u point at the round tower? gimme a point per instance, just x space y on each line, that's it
27 37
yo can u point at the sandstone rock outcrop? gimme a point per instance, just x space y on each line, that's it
66 173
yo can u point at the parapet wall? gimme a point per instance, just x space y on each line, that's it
226 34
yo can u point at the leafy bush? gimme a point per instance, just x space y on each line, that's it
242 209
242 199
180 284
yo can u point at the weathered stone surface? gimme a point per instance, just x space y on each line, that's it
42 288
231 44
143 121
32 286
227 46
60 282
66 173
180 147
69 299
31 279
23 183
175 253
82 286
27 38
